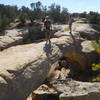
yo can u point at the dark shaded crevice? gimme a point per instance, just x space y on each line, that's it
47 97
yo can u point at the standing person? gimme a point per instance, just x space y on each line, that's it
70 23
48 27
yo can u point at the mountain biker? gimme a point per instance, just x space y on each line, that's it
48 27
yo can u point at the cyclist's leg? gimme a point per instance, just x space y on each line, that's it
46 35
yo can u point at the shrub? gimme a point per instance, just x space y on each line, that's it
23 17
96 67
96 46
96 79
94 17
3 22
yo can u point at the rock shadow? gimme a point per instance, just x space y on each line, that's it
48 48
76 43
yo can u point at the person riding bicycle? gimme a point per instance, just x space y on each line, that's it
48 28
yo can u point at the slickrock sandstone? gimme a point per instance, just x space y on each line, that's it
23 68
75 90
13 37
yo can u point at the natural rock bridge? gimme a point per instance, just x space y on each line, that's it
23 68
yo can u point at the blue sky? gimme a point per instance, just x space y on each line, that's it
72 5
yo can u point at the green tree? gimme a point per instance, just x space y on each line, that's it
94 17
37 9
23 17
3 22
58 15
7 15
64 17
54 12
83 15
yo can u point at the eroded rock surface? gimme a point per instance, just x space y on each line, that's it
74 90
86 31
23 68
13 37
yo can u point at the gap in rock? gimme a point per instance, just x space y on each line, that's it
76 62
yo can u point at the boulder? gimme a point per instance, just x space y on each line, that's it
23 68
91 55
86 31
42 93
75 90
87 46
13 37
